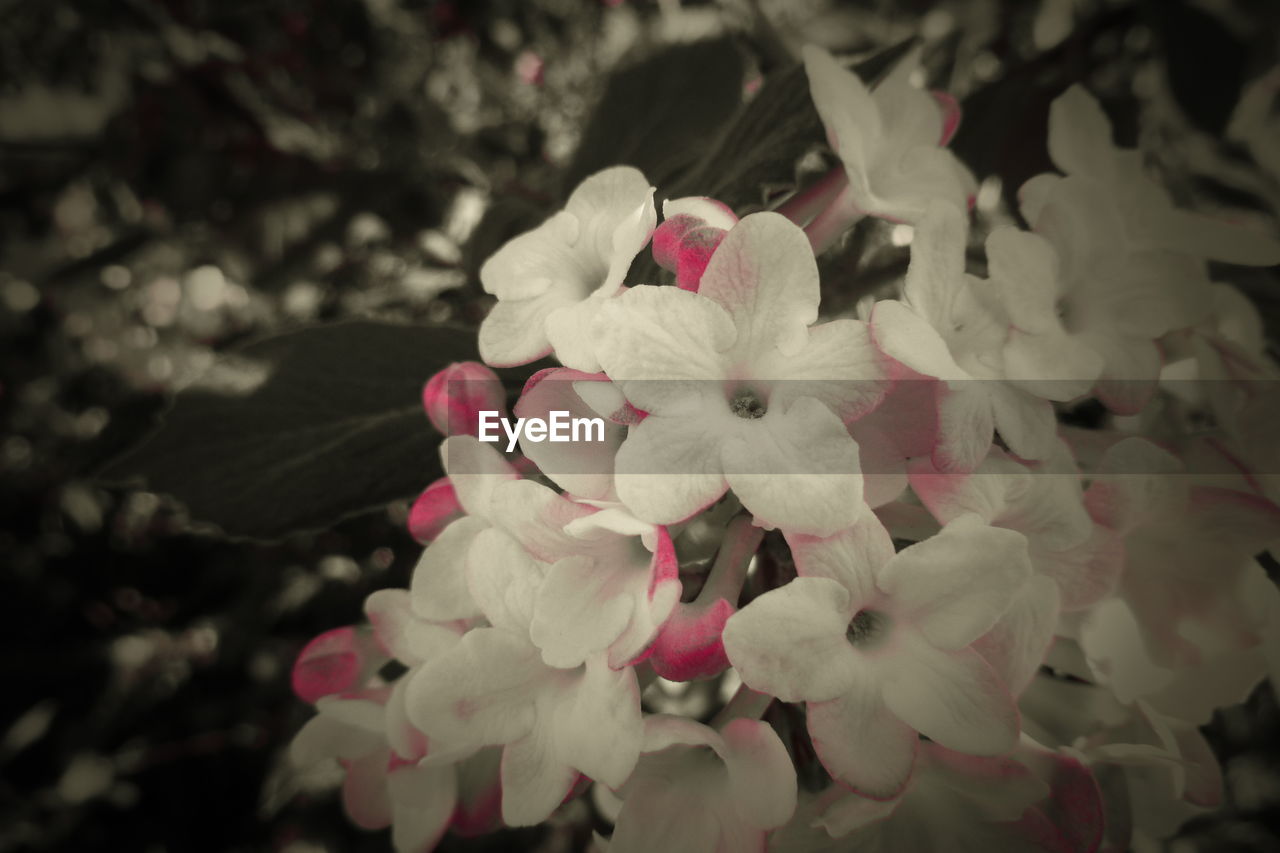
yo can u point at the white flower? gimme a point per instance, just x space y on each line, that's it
551 281
879 646
890 139
696 788
944 327
1080 145
741 390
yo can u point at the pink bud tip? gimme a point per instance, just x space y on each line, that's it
689 646
333 662
684 245
434 510
455 396
950 115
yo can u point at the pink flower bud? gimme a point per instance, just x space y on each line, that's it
335 662
689 646
684 242
455 396
433 511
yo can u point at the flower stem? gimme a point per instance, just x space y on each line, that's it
832 221
729 572
807 203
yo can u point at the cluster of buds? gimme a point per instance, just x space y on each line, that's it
934 616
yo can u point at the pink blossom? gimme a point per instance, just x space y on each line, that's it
691 230
454 397
337 661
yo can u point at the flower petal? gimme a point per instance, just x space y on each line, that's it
536 517
585 467
598 726
1016 645
669 468
515 332
937 261
535 780
904 335
405 637
1080 135
1027 423
862 744
965 425
954 586
475 469
765 276
422 802
615 207
1025 268
569 331
853 557
364 792
847 110
654 333
762 779
952 697
438 587
838 365
504 580
481 692
797 470
582 608
790 642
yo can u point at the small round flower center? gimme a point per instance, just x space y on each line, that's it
1062 308
747 404
867 628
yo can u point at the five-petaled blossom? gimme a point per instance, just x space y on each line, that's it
741 389
890 141
878 645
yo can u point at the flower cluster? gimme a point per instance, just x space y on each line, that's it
934 616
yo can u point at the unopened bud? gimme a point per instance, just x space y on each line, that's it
455 396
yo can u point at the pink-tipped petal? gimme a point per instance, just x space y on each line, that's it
583 467
689 646
454 397
336 661
434 510
950 115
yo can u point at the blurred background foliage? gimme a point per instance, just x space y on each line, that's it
180 176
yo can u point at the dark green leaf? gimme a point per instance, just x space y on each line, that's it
659 114
762 145
299 430
770 133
